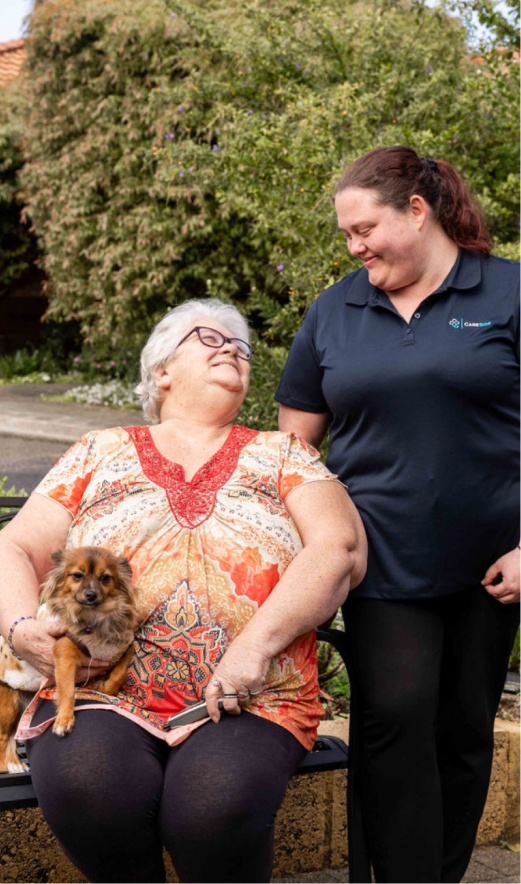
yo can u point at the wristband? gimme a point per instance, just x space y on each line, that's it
10 635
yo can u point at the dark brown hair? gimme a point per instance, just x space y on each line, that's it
397 173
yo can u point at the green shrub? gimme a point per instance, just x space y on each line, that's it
28 361
18 249
8 492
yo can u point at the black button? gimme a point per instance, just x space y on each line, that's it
409 331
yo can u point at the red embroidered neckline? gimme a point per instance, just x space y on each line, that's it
191 502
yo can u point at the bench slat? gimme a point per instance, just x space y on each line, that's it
328 753
16 790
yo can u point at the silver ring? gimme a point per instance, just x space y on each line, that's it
243 693
255 693
216 682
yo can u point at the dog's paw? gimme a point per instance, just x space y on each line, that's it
17 766
100 687
63 726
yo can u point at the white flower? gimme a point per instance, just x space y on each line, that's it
114 394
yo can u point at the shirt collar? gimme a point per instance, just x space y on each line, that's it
465 274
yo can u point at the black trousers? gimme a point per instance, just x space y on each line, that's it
427 678
113 795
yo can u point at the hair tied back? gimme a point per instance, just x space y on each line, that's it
431 164
396 173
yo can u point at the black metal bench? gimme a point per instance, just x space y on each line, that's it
328 753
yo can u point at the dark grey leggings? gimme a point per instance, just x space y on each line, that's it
113 794
427 679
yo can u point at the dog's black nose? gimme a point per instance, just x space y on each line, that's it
91 595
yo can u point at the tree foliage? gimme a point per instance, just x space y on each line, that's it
174 149
18 249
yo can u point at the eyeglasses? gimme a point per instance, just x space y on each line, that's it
212 338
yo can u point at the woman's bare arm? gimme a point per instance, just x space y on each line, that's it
309 426
26 544
317 581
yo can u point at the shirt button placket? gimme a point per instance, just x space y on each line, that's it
409 332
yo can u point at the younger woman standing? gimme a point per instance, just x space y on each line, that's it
412 361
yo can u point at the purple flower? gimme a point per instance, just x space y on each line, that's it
172 15
181 174
248 113
264 115
428 70
298 67
180 109
280 268
215 147
112 362
454 139
217 131
98 364
170 135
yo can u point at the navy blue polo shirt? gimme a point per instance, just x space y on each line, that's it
425 421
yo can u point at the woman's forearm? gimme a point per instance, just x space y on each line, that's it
26 545
312 588
332 560
30 639
19 586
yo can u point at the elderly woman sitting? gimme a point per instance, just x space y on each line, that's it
240 543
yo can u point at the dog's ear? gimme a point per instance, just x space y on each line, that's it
54 577
124 567
58 557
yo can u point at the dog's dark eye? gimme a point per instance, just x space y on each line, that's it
77 575
105 578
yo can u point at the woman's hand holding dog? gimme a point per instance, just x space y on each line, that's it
34 641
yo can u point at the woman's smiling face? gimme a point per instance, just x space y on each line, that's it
193 363
385 240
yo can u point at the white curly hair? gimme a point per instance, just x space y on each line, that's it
166 336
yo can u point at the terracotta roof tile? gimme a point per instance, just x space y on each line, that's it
12 55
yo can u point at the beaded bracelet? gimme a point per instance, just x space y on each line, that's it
10 635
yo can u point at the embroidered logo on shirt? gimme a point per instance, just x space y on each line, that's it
459 323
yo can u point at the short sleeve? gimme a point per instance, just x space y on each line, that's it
67 480
300 464
301 383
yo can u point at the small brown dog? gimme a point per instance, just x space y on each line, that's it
90 591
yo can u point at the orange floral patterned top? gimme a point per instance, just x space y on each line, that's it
205 555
